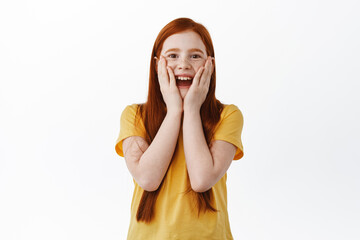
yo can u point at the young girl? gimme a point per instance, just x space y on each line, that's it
179 144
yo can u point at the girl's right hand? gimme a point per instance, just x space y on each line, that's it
168 88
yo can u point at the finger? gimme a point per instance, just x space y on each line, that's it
165 72
207 82
172 77
197 76
160 71
205 77
163 76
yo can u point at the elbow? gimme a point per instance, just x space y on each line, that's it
202 181
200 187
149 185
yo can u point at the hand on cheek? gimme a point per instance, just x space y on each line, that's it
199 88
168 88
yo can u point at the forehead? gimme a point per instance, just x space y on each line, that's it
184 41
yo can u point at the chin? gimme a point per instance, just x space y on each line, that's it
183 93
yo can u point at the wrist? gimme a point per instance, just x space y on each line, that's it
191 106
174 112
192 109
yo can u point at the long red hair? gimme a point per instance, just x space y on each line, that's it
154 110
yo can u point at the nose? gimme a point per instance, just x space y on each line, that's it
183 63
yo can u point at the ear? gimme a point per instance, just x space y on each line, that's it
156 63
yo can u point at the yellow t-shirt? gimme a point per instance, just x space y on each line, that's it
175 213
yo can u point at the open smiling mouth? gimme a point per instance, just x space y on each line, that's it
183 81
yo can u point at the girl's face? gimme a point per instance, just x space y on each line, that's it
185 53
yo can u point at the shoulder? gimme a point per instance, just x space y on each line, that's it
130 110
229 128
231 110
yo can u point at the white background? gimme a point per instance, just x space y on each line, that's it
68 68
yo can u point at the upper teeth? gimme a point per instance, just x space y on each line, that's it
183 78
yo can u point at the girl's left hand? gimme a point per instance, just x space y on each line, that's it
199 88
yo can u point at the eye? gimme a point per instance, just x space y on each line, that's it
195 56
172 55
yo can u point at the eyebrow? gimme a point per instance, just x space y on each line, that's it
190 50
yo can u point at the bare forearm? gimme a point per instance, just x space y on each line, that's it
156 159
199 160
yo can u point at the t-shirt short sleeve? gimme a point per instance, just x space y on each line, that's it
230 127
130 125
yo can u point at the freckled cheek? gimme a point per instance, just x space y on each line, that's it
198 65
194 65
171 65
